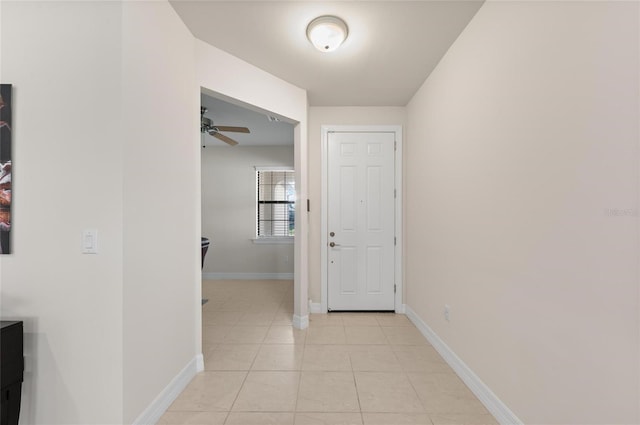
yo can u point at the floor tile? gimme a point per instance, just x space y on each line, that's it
328 419
445 393
374 361
210 391
279 357
242 305
325 357
364 335
360 319
192 418
396 419
231 357
285 335
283 318
326 335
260 318
346 369
327 392
242 418
329 319
386 392
420 358
268 392
213 317
462 419
392 319
286 306
214 334
404 335
245 335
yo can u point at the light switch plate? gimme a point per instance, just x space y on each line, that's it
90 241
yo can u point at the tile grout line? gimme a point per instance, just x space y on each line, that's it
243 381
424 407
304 350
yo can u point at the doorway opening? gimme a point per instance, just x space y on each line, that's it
247 193
278 146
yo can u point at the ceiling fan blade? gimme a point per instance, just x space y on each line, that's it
224 138
232 129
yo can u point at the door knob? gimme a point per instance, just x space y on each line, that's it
332 234
332 244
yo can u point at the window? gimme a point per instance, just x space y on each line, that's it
275 203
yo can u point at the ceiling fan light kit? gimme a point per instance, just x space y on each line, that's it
327 33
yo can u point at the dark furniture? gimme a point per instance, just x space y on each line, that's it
11 371
205 248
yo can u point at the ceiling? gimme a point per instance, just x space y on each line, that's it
391 49
263 131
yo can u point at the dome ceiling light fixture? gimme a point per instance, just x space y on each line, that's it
327 33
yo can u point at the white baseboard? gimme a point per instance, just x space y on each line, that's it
199 363
156 409
315 308
494 405
300 322
247 276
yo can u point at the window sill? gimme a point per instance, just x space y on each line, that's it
284 240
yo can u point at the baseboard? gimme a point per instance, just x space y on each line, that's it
156 409
494 405
300 322
247 276
199 363
315 308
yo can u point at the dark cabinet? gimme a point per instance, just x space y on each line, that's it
11 371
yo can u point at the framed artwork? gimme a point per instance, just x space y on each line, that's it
5 168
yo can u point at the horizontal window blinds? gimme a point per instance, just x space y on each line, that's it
276 203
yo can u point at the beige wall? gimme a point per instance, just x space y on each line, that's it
161 150
229 210
522 207
64 62
319 116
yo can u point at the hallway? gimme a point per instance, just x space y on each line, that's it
346 368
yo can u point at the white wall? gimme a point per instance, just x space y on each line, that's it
161 150
106 333
319 116
64 60
522 207
229 211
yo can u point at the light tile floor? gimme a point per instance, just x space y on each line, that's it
345 369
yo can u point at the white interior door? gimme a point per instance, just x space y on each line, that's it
360 221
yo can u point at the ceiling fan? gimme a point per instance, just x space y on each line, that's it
207 126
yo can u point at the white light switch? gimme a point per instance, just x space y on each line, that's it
89 241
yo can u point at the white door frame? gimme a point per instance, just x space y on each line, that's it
326 129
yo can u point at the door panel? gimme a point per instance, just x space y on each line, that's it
347 258
374 199
375 259
348 203
361 206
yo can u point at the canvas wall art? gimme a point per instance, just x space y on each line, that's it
5 168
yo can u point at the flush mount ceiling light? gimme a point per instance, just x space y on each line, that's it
327 33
